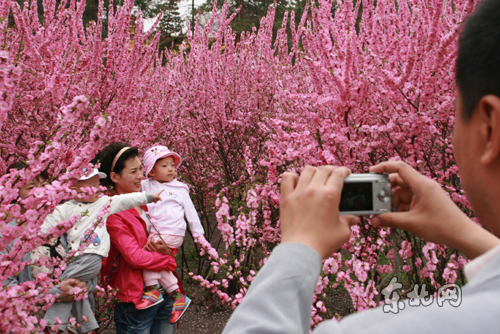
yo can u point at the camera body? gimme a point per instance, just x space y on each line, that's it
366 194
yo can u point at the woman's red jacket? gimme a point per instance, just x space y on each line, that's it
123 267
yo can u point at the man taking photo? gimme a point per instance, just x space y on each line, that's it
279 299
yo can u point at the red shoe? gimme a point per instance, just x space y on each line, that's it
149 298
181 303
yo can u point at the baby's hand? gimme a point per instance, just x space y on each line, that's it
156 196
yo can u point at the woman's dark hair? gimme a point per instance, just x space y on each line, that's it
19 165
108 154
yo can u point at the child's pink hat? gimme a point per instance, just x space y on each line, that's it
159 152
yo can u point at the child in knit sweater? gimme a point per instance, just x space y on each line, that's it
87 265
167 218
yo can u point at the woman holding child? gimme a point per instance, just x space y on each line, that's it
128 256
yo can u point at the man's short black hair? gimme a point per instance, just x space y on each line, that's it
478 63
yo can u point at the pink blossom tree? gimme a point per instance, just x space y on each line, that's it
352 97
64 88
331 90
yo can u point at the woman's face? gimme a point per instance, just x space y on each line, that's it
129 180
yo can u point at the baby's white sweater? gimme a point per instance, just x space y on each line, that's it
89 211
168 215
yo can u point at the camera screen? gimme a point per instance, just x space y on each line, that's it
357 196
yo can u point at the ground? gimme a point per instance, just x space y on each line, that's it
205 315
199 319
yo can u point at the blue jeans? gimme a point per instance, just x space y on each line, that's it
153 320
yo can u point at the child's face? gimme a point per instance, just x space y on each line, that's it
83 197
36 182
164 170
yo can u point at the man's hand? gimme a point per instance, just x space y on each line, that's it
157 246
157 197
425 209
68 284
309 209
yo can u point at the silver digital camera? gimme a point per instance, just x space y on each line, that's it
366 194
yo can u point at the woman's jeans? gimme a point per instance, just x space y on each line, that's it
153 320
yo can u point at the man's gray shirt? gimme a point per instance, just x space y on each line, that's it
279 301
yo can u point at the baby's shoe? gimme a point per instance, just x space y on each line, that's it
181 303
149 298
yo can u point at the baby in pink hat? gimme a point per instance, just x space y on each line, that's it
167 219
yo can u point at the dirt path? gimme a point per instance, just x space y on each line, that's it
199 319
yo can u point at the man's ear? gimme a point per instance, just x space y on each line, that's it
489 113
114 177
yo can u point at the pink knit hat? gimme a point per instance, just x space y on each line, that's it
159 152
